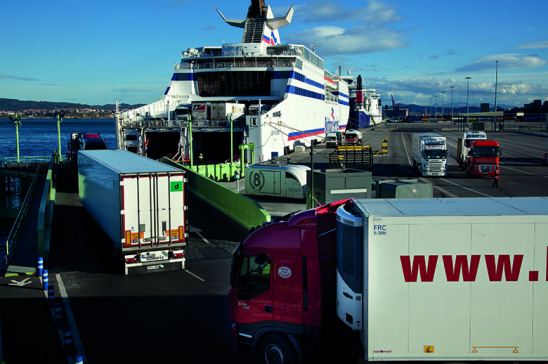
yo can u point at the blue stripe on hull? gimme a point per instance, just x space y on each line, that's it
302 92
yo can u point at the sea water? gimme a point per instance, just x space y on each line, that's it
38 136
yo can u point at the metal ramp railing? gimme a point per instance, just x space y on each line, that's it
6 253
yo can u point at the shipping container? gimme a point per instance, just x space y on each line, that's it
140 203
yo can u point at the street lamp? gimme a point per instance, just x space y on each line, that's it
452 87
442 108
59 120
435 106
496 81
467 78
17 122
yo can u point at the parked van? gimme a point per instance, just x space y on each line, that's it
333 139
132 140
276 180
353 137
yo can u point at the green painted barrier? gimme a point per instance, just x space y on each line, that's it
239 208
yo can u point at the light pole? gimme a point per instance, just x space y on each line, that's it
467 78
452 87
231 140
435 106
17 122
190 151
442 108
59 120
496 81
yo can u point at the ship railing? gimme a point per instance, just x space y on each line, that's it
240 63
238 123
11 161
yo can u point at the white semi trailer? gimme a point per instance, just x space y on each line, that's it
445 279
430 154
140 204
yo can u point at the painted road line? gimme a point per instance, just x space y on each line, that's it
522 171
405 147
202 237
464 187
70 317
195 275
441 189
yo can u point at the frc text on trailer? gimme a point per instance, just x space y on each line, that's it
141 205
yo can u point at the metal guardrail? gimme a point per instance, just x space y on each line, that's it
358 157
10 161
15 232
241 209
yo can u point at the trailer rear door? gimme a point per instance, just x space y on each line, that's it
153 206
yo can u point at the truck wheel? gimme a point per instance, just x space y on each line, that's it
275 349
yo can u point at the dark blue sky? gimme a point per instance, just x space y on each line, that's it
97 51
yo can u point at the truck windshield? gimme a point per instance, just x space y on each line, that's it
485 152
435 153
254 276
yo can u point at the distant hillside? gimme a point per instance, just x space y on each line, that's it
18 105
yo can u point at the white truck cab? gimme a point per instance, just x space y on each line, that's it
466 142
430 154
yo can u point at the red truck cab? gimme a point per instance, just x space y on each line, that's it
484 158
283 284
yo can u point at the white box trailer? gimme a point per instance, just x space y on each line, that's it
445 279
140 203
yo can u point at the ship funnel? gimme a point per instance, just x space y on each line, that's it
260 25
359 92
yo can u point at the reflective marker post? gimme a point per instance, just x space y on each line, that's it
40 267
45 280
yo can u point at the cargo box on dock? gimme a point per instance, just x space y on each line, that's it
141 205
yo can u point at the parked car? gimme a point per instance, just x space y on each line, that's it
333 139
353 137
84 141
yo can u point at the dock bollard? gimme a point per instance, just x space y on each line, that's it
40 266
45 280
79 359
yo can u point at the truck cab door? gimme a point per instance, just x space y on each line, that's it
254 298
288 289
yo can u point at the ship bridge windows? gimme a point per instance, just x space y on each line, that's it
234 83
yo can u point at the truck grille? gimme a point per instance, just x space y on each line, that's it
435 166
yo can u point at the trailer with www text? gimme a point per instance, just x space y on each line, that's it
416 279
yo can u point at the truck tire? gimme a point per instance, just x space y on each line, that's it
275 349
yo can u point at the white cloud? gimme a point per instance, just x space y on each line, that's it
365 29
507 60
332 40
374 12
534 45
421 91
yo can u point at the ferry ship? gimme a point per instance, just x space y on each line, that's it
262 93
